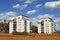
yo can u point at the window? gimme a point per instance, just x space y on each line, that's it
51 24
47 26
25 25
14 22
14 25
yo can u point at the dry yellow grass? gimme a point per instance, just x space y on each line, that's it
4 36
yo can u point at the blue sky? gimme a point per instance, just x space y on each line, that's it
31 8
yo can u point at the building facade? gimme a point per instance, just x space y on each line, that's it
46 25
20 24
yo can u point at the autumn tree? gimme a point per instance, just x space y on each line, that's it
4 27
34 29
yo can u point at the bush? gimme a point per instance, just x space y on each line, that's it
19 33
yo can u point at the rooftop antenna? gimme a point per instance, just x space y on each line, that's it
4 21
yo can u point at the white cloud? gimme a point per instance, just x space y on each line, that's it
38 5
24 6
29 1
20 6
58 26
20 0
11 14
45 16
42 16
57 20
31 12
34 19
53 4
7 15
16 6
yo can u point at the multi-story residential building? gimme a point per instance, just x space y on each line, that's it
20 24
46 25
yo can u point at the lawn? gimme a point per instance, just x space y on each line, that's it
6 36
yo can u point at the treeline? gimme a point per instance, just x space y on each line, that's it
4 27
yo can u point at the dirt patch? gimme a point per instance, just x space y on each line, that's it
29 37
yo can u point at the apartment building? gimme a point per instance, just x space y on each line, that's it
46 25
20 24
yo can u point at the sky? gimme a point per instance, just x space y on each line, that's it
33 8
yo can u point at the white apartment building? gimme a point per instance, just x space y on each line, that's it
20 24
46 25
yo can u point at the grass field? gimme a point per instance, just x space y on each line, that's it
33 36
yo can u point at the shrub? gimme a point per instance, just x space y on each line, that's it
19 33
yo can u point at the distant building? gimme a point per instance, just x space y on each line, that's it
20 24
46 25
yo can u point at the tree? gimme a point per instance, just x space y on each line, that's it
4 27
34 29
1 26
